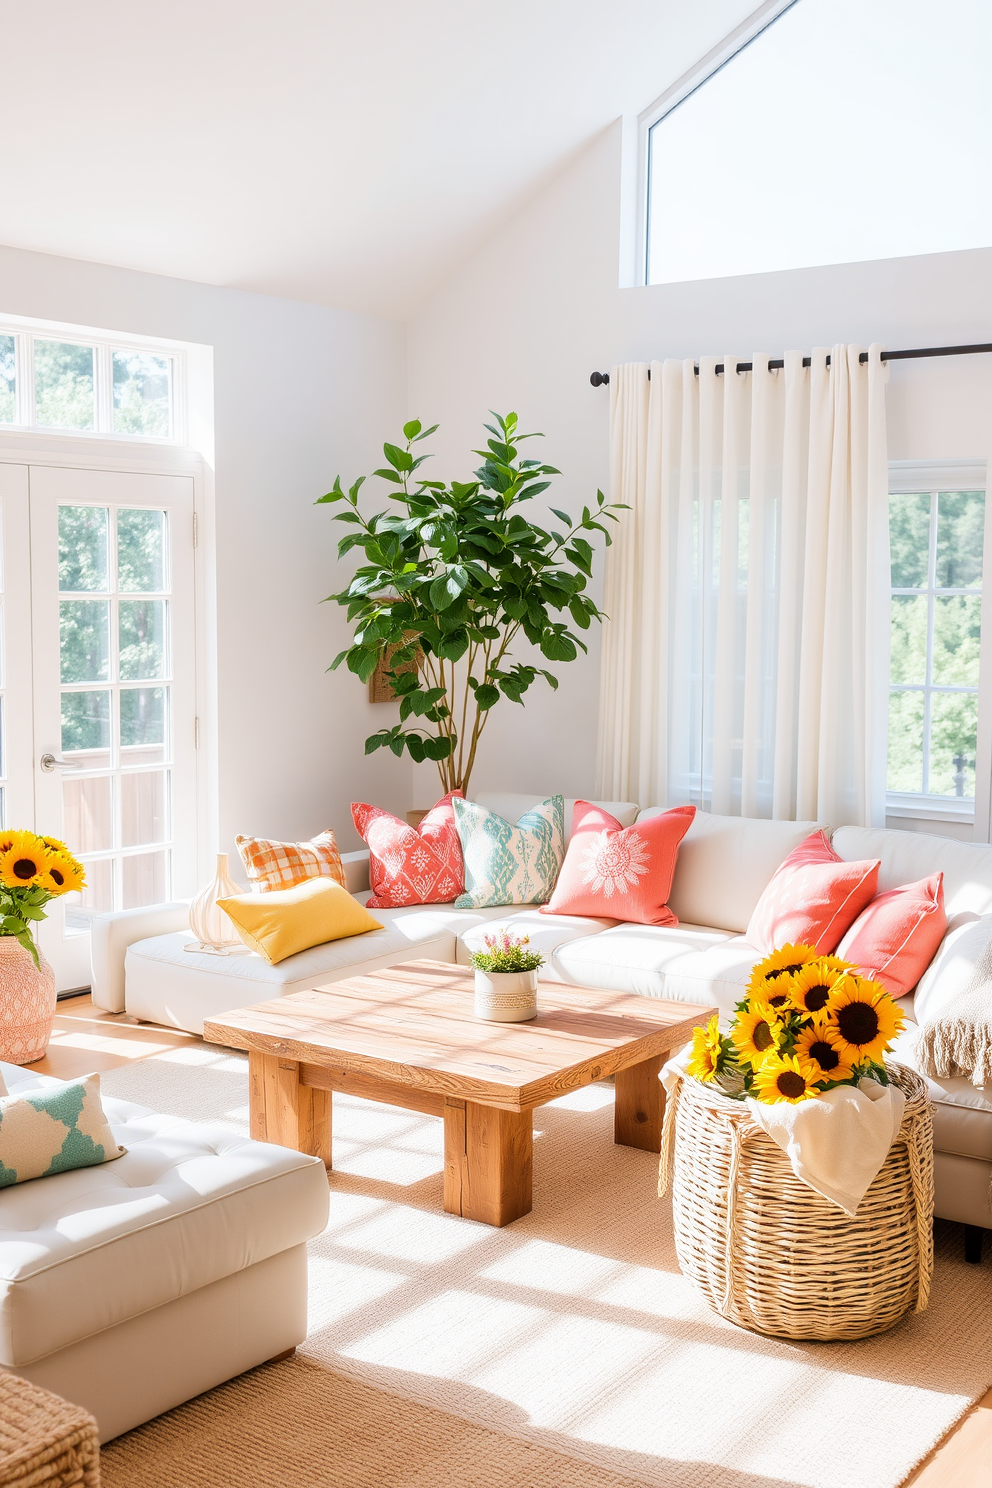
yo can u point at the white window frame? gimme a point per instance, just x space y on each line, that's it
910 477
26 331
635 249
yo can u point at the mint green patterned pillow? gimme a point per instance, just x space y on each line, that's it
506 864
52 1130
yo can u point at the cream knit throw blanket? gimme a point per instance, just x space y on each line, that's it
959 1041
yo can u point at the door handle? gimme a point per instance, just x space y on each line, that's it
50 762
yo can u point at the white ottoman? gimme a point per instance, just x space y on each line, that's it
130 1287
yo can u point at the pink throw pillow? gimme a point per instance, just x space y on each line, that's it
411 865
812 899
620 873
897 936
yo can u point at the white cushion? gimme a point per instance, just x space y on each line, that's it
170 985
186 1205
907 857
511 805
690 963
724 864
952 968
546 933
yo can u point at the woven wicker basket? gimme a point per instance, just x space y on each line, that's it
769 1252
45 1442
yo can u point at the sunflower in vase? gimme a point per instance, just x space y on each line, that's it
33 870
807 1024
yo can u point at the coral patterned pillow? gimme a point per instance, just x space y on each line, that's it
411 865
620 873
898 935
812 898
282 865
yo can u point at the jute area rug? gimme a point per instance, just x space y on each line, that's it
565 1349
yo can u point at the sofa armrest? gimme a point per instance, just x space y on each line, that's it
356 871
110 936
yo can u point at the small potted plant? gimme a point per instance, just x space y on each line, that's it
33 871
506 978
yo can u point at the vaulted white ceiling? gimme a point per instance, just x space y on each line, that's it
347 152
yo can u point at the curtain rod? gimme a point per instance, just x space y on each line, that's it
600 379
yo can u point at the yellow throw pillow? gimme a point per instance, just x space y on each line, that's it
284 921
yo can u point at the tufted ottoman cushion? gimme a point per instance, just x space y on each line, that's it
188 1204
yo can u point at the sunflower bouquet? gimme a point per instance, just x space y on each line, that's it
807 1024
33 870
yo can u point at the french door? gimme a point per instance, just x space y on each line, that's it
98 721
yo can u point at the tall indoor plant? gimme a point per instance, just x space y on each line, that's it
450 581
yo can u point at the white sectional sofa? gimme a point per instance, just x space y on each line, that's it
134 1285
141 966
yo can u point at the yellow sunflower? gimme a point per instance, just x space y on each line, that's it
756 1034
783 962
707 1050
24 862
63 873
786 1077
810 987
864 1018
54 844
820 1047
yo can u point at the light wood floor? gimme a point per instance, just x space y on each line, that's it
87 1039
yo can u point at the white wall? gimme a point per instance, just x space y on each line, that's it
301 393
527 319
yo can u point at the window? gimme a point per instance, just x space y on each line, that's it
936 541
65 383
841 131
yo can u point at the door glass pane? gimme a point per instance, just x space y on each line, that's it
141 551
909 540
8 380
83 548
953 736
143 725
88 812
96 898
141 393
905 770
960 539
142 639
84 638
86 728
63 385
144 807
146 879
957 626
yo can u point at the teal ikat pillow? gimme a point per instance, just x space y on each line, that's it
53 1130
507 863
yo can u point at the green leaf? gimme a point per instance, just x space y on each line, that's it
412 429
486 696
439 748
399 459
415 745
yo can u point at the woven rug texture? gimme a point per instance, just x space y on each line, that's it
566 1348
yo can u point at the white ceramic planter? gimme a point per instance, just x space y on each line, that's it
506 996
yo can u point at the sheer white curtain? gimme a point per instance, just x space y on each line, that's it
746 651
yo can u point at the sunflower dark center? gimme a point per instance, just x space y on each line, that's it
784 971
815 998
762 1036
58 877
779 1000
858 1022
25 868
790 1084
825 1054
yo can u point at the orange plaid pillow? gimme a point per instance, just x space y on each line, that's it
283 865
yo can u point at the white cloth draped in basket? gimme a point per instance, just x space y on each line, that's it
835 1143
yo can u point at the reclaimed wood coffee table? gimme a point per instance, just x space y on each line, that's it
407 1035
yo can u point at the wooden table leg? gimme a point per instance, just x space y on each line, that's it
640 1105
283 1111
488 1162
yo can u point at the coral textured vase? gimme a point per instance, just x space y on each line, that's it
27 1003
207 921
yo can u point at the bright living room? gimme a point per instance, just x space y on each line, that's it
286 234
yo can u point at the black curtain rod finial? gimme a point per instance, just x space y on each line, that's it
600 379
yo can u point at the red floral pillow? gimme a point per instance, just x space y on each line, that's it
411 865
620 873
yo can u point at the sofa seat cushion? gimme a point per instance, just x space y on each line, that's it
688 963
187 1204
546 934
167 984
